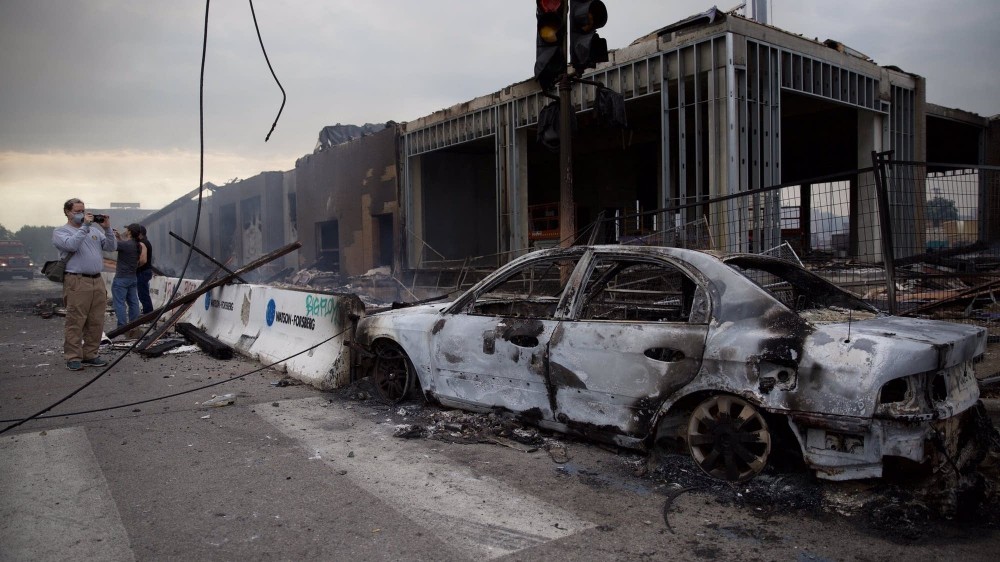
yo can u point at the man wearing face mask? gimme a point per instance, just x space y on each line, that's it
84 293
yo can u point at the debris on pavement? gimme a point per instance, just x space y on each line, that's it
512 444
163 346
897 509
220 401
409 431
184 349
674 492
48 308
209 344
557 451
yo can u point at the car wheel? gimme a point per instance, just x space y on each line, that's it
393 374
728 438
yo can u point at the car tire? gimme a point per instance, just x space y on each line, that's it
728 438
392 374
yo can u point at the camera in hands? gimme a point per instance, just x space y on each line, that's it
99 219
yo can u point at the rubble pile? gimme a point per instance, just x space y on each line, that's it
958 284
313 278
376 288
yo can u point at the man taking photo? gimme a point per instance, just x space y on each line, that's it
84 294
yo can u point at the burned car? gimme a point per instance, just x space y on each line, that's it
718 354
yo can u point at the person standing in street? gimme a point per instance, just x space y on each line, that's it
145 273
84 293
124 287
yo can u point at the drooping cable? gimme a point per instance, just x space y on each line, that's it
188 391
201 182
284 97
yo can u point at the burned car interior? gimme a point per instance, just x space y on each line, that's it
617 290
532 292
641 291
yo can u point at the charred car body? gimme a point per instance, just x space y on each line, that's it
716 353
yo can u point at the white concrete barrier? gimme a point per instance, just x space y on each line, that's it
270 324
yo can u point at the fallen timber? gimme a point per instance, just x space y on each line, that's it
194 295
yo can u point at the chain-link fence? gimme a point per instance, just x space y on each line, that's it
909 237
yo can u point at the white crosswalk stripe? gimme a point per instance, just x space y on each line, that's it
479 516
54 501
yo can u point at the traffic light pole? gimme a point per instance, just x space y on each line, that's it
567 206
585 49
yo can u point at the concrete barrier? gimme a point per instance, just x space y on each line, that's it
270 324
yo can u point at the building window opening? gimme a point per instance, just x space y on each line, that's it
328 246
383 243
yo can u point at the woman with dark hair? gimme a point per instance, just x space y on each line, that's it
145 273
124 290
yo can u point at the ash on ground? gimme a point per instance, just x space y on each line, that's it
896 508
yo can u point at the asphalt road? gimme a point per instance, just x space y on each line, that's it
292 473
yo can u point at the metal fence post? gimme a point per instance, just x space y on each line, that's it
880 163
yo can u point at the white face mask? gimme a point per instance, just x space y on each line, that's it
78 218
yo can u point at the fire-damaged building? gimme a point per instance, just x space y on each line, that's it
240 221
717 106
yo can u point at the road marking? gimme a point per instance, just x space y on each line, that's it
477 515
54 501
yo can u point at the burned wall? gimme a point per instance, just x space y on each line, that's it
180 217
350 187
248 221
240 222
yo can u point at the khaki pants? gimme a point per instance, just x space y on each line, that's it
86 300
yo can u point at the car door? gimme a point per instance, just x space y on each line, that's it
494 351
637 335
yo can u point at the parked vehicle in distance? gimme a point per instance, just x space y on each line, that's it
14 260
721 355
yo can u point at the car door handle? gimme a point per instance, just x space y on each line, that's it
524 341
665 354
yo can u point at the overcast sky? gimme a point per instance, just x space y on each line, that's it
99 98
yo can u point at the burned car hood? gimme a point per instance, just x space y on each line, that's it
844 365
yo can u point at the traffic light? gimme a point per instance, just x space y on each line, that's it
550 42
586 48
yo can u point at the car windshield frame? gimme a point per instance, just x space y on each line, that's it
581 255
821 291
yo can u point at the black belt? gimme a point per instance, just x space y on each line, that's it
91 275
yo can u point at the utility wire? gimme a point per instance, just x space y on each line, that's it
188 391
284 97
197 224
201 182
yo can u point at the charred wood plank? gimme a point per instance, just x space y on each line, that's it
198 251
194 295
208 344
169 323
974 292
940 257
161 348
